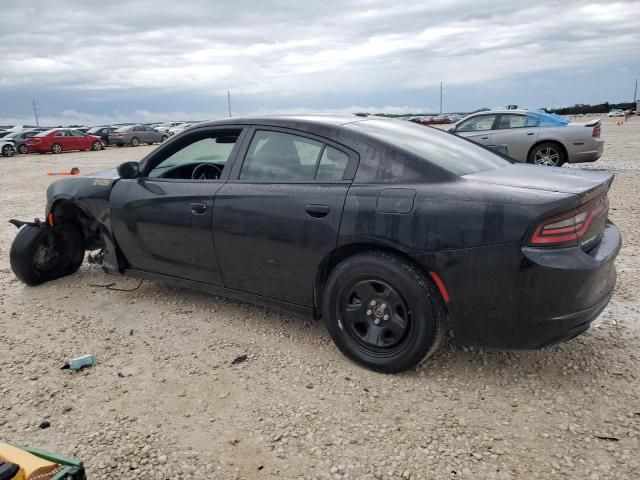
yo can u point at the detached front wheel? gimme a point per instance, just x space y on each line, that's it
40 253
382 312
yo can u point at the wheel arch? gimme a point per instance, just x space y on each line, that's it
340 253
96 231
66 210
549 140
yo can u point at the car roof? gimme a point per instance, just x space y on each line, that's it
488 112
317 120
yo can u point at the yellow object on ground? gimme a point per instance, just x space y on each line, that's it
31 467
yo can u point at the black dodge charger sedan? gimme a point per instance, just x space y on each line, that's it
386 230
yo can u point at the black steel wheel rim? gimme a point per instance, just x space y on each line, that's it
375 317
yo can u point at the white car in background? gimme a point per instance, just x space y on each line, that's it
7 148
178 128
616 112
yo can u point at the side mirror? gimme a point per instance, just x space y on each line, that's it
129 170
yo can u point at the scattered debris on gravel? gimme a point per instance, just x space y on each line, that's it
211 388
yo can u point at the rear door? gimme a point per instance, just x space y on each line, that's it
163 220
518 132
279 214
477 128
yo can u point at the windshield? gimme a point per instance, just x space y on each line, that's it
94 129
450 152
123 129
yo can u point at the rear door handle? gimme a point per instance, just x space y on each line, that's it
317 211
198 208
530 133
484 138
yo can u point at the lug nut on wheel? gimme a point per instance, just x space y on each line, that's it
386 317
369 312
372 303
377 321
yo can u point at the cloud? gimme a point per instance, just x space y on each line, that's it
297 50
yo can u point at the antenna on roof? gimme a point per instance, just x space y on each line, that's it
229 102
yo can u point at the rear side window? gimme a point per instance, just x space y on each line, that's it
277 156
512 121
442 149
332 165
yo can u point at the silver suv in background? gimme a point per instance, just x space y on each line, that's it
134 135
533 137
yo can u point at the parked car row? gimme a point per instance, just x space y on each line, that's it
22 139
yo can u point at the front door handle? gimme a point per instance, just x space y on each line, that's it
530 133
317 211
484 138
198 208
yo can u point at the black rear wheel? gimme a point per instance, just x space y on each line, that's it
39 253
23 148
382 312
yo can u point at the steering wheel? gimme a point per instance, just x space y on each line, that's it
206 171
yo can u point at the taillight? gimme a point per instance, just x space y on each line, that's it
596 131
569 228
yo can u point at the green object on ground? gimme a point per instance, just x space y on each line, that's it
73 467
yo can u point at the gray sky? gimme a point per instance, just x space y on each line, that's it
100 62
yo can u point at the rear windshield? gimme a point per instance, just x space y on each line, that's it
454 154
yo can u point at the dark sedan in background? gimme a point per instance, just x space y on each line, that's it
134 135
384 229
102 132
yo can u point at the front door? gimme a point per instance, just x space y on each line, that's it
477 128
279 216
163 220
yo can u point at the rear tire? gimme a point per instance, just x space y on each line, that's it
382 312
135 142
56 148
40 254
549 154
95 146
23 148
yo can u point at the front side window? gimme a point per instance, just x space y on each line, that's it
199 157
76 133
476 124
277 156
62 133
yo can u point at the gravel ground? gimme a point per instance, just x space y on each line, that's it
166 402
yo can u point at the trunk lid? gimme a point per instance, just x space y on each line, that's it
587 184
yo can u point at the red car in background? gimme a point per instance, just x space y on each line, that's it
59 140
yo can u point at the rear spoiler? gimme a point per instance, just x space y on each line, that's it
592 123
